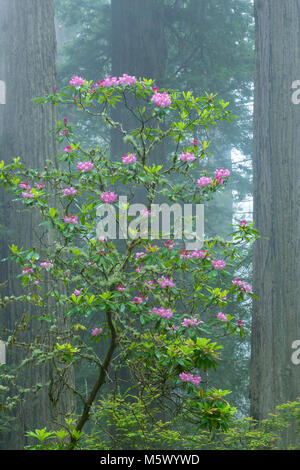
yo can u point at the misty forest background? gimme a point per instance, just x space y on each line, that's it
247 53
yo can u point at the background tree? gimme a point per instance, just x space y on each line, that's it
28 62
274 378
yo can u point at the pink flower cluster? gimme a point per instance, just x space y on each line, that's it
221 175
204 181
165 283
129 159
46 264
187 377
77 292
140 255
161 99
70 191
198 254
27 270
138 300
68 149
218 263
109 197
170 244
150 284
194 142
27 194
71 219
64 132
114 81
76 81
145 213
97 331
187 157
242 285
121 288
162 312
191 322
85 166
243 223
127 79
222 316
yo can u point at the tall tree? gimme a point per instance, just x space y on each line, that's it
276 271
28 66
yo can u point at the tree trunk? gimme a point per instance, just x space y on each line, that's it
28 66
276 265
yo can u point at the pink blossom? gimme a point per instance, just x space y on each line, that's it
162 312
140 255
109 197
221 316
191 322
97 331
194 142
46 264
170 244
101 252
127 79
138 270
65 121
69 219
102 239
198 254
77 292
70 191
188 157
220 174
27 270
36 281
24 185
68 149
138 300
187 377
85 166
184 254
64 132
174 328
129 159
218 263
204 181
150 284
121 288
162 100
243 223
28 194
108 82
240 323
145 213
155 89
40 185
246 288
76 81
165 283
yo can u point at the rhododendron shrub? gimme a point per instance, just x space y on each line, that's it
157 309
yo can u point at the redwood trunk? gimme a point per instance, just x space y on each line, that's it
276 314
